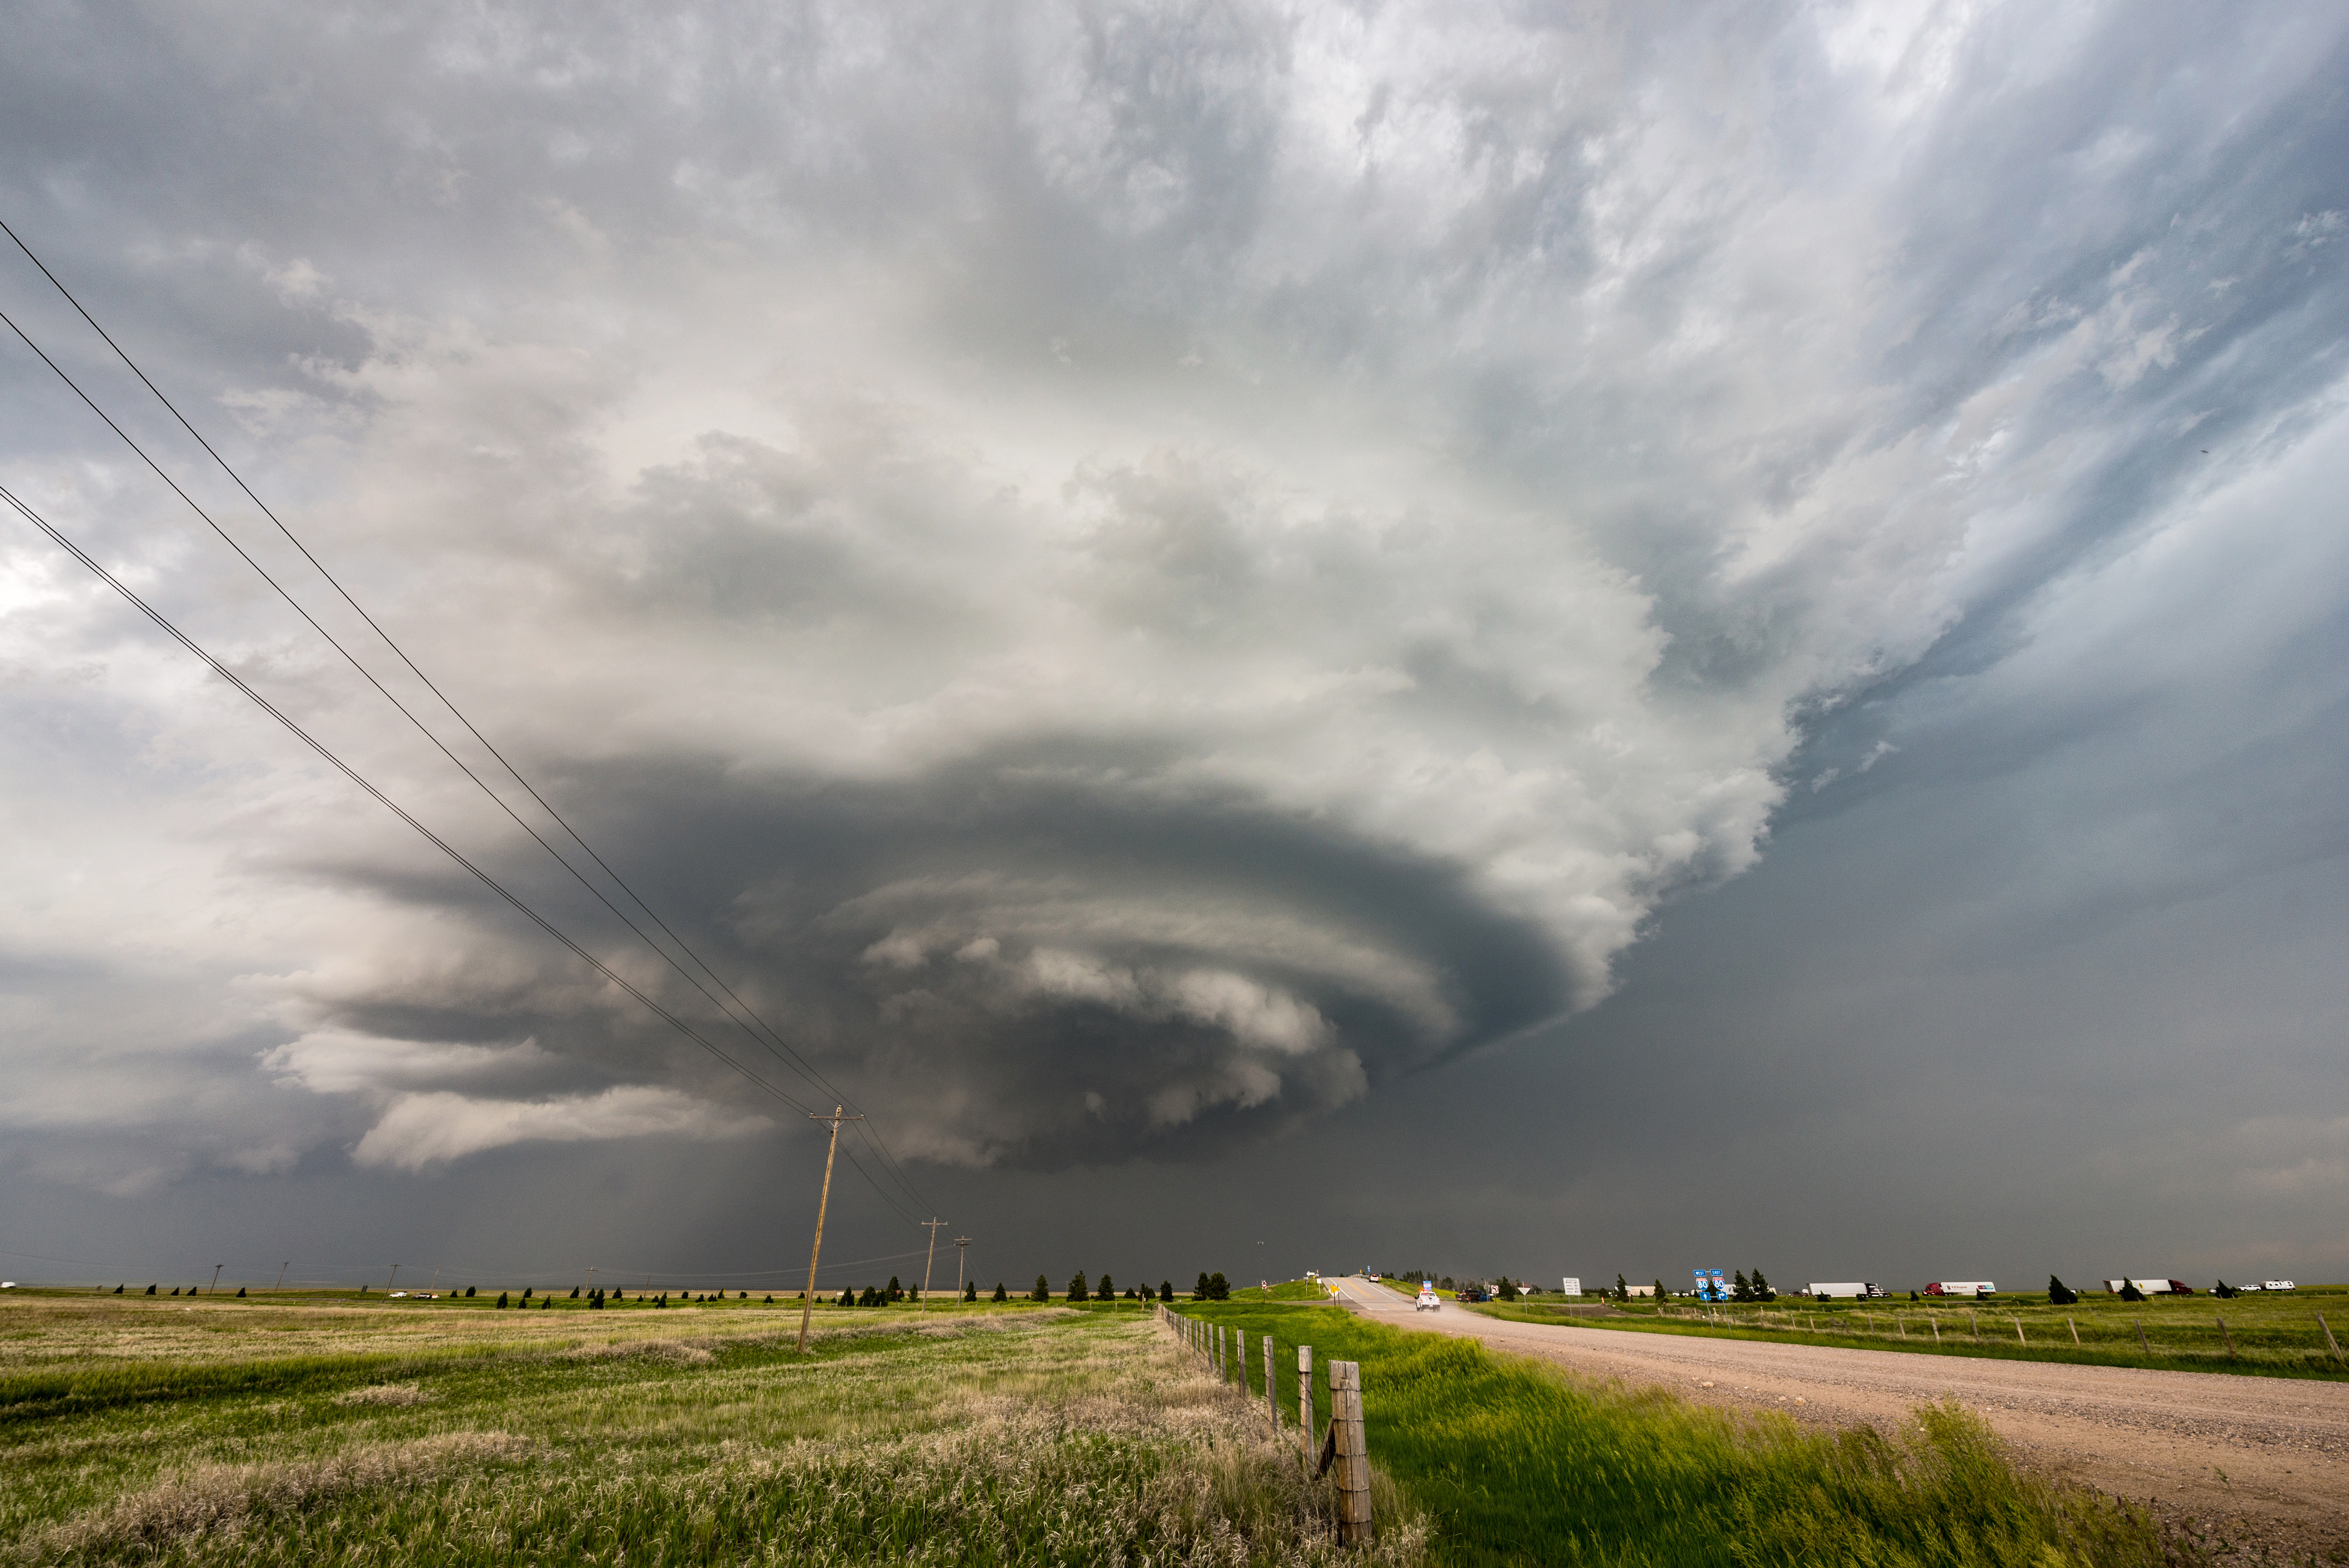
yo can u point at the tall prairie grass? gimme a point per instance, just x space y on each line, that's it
1033 1437
1518 1462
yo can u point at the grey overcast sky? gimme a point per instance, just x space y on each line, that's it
1564 638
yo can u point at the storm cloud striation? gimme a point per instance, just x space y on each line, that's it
1128 575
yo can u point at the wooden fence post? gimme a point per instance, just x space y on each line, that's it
1305 1401
1352 1453
1239 1358
1271 1393
1935 1319
2141 1345
2075 1329
2018 1330
2328 1340
2228 1337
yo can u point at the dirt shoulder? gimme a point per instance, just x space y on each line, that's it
2266 1459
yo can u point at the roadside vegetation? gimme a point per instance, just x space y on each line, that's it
153 1430
1515 1463
2271 1334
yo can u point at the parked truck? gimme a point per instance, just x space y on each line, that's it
1844 1292
2151 1286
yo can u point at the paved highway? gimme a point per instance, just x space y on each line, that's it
2271 1450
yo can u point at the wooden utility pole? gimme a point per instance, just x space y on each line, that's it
962 1257
807 1302
928 1258
216 1274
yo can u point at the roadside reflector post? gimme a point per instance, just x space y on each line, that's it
1305 1401
1351 1454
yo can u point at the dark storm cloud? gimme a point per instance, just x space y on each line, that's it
1136 572
1070 968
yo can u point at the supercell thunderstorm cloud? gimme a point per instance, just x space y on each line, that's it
1132 576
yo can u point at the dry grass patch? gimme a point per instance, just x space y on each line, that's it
218 1501
384 1394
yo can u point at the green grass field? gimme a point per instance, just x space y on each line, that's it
2270 1334
1519 1463
218 1431
211 1430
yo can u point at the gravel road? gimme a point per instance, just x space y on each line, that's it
2269 1453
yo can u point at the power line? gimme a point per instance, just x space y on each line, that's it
366 673
765 1036
438 842
780 1047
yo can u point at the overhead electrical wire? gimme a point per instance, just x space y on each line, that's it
764 1035
347 771
780 1047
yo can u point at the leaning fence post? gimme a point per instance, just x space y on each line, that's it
2228 1337
2018 1330
1271 1393
2075 1329
1352 1453
1305 1401
2328 1337
2141 1345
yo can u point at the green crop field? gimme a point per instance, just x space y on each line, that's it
2275 1334
1515 1463
215 1431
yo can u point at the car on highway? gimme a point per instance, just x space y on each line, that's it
1428 1300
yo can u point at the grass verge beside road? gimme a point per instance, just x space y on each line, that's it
1519 1462
2277 1337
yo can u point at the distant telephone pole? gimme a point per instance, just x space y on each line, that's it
960 1257
928 1258
807 1302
